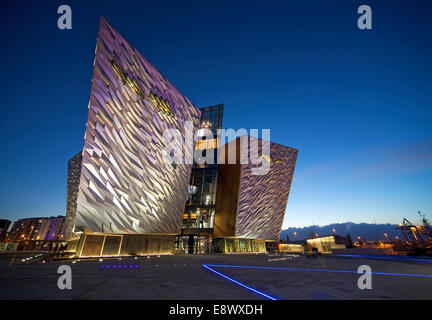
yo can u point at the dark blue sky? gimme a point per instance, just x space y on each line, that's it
356 103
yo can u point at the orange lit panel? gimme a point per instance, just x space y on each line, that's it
206 144
193 216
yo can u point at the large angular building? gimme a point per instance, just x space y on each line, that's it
252 206
130 194
130 183
233 206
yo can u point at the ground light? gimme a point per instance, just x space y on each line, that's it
118 266
211 266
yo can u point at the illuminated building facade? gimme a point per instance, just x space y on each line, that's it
130 183
27 229
129 195
200 207
55 228
52 228
327 243
234 210
252 206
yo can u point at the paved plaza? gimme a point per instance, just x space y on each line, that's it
244 277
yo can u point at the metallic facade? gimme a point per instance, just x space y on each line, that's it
263 198
73 180
253 206
129 183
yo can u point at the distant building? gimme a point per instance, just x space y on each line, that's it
26 229
4 226
40 228
326 244
54 228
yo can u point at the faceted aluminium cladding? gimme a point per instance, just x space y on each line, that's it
253 206
73 180
129 182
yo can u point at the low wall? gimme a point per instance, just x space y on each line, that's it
109 245
238 245
8 246
366 251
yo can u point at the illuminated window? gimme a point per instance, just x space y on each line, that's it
161 104
266 157
269 159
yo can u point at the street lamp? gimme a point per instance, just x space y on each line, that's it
387 236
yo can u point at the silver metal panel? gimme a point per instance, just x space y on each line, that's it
263 198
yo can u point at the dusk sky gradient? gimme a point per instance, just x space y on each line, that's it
356 103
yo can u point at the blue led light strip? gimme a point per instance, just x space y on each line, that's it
427 259
322 270
238 283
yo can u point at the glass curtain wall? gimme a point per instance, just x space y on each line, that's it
201 202
200 207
